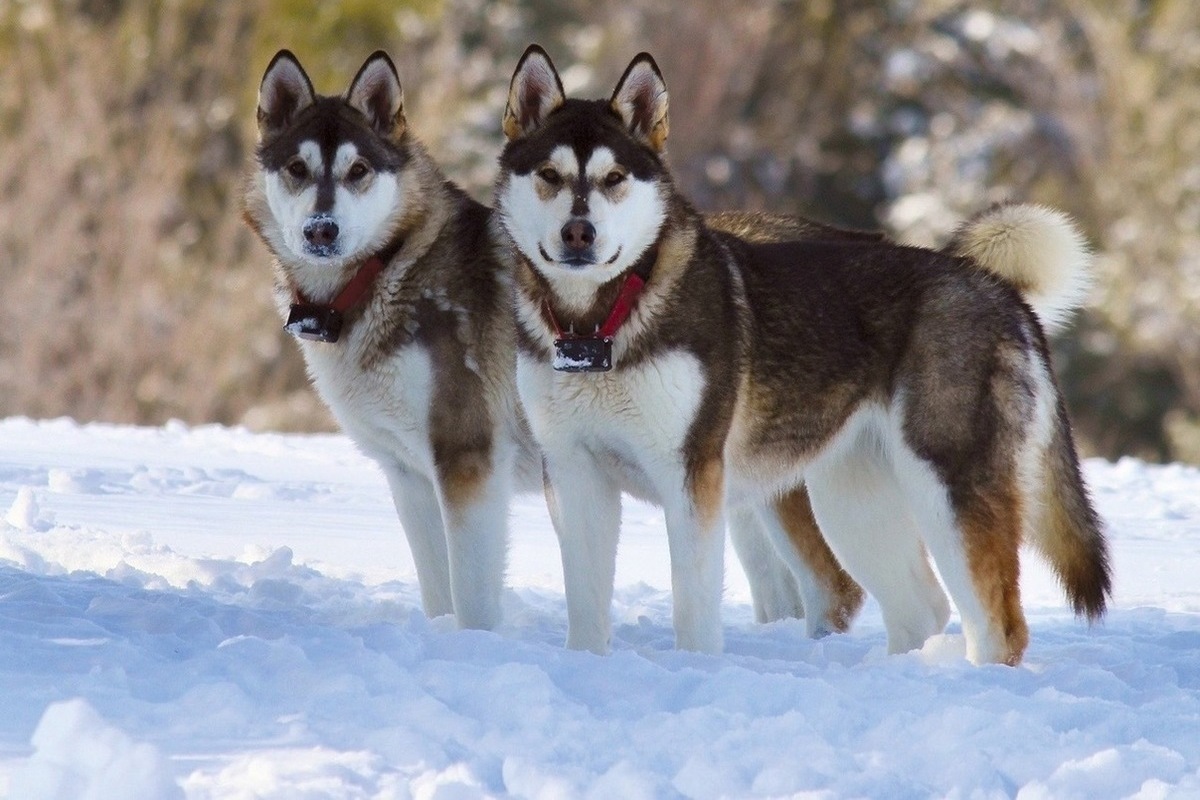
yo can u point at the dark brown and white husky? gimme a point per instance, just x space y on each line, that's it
388 274
911 391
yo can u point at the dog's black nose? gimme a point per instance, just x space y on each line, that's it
321 231
578 234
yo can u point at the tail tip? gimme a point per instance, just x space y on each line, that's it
1091 599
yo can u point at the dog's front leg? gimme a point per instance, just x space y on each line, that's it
585 507
416 501
475 491
696 535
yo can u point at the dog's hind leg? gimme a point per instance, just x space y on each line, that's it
416 502
773 588
972 460
830 596
862 511
585 507
975 543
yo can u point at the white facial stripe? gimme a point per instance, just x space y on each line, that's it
600 163
346 155
310 152
563 159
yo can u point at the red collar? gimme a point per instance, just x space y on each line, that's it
321 322
355 291
623 306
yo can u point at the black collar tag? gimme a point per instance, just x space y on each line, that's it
583 354
313 322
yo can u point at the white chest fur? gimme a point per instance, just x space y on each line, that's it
635 421
385 409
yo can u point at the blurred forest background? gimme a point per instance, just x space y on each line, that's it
134 293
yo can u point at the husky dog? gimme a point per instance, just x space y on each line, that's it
388 276
911 391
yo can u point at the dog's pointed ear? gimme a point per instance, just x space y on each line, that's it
285 92
640 99
534 92
376 92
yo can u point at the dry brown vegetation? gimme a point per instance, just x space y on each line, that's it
134 292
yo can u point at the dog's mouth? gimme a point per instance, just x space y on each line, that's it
321 250
575 262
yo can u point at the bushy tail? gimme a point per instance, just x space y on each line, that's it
1070 535
1037 249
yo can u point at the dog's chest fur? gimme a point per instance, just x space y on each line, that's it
383 402
649 420
633 421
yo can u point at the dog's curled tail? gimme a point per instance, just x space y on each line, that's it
1037 249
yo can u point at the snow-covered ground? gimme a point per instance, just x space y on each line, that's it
209 613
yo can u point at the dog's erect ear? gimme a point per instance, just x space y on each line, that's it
376 92
534 92
284 93
640 99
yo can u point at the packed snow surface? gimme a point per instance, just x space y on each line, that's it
210 613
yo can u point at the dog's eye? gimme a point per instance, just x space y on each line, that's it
550 175
613 178
358 170
297 169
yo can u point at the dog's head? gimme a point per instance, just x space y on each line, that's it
582 188
330 167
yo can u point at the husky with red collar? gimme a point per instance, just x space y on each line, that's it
387 275
910 390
